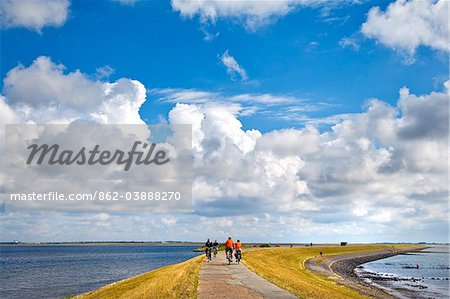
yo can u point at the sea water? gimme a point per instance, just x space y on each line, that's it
59 271
421 274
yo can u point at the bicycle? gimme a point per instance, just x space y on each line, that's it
208 253
230 256
215 251
238 255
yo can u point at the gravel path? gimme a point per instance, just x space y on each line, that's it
220 280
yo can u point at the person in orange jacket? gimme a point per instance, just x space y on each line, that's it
238 246
229 246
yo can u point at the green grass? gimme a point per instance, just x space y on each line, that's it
174 281
285 267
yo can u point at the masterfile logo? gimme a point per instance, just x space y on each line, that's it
53 156
99 167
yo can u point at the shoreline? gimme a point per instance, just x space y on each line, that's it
341 266
177 280
107 243
342 269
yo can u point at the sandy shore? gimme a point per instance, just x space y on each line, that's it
341 268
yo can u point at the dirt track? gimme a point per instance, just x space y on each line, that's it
220 280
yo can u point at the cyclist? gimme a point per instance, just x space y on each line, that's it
238 246
208 246
229 246
215 247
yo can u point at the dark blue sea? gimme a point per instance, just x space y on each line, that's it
59 271
422 274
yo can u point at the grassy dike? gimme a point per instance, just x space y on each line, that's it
285 267
174 281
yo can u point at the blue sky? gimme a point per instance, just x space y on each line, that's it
337 112
298 55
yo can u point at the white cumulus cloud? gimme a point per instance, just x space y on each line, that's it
387 159
44 92
34 14
406 25
383 168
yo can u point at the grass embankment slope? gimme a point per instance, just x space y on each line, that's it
285 267
174 281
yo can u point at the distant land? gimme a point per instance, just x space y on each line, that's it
112 243
197 243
